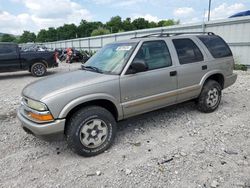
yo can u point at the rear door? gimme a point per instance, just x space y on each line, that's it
9 58
145 91
193 65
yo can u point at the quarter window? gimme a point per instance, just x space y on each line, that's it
155 54
187 51
216 46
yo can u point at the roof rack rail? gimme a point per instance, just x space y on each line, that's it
162 34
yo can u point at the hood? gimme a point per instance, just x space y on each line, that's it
60 83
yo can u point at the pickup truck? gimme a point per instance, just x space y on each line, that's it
13 59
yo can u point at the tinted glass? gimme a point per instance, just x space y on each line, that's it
155 54
187 51
216 46
7 49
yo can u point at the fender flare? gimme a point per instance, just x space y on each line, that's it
32 62
208 74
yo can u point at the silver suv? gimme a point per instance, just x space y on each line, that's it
124 79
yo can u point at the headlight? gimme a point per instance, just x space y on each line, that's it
36 111
35 105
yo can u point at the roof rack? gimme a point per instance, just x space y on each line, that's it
162 34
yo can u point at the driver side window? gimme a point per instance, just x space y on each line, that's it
155 54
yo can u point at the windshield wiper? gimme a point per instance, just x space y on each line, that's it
92 68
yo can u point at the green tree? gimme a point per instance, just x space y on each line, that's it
115 24
27 37
140 23
152 25
52 34
127 25
86 28
8 38
100 31
42 36
164 23
67 31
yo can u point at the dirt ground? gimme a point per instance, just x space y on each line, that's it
176 146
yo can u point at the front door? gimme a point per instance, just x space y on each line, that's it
152 89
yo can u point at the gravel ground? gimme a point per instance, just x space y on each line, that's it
173 147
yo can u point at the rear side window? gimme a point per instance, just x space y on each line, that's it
7 49
187 51
216 46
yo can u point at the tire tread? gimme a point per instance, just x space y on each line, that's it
201 105
87 112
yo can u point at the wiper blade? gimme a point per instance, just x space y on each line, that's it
92 68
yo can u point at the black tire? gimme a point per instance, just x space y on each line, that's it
208 100
38 69
79 121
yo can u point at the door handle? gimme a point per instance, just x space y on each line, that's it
204 67
173 73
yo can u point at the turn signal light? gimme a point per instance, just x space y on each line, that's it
41 117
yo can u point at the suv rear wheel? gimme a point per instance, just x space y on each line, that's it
38 69
91 131
210 97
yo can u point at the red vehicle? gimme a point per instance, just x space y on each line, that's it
69 55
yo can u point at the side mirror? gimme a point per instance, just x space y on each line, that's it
138 65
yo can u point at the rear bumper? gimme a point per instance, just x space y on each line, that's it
230 80
55 127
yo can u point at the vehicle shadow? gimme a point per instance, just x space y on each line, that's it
5 76
170 112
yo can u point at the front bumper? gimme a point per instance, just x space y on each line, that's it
54 127
230 80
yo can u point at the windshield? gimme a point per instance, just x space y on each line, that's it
111 58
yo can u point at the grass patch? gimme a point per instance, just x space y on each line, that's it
240 67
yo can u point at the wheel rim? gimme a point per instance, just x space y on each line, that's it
213 97
39 69
93 133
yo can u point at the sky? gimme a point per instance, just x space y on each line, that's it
33 15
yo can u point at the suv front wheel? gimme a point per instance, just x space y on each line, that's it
91 131
210 97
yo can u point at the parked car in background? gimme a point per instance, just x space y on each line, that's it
240 14
125 79
36 62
